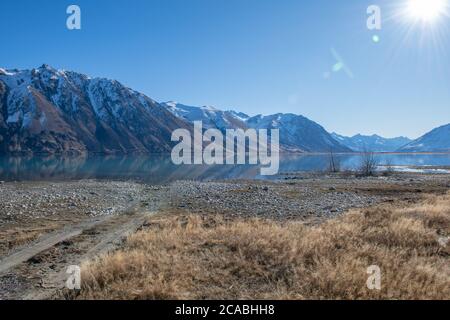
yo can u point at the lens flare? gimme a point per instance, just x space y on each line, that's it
426 10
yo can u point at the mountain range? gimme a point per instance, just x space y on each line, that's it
44 110
374 143
297 133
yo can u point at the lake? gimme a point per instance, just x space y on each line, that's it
160 169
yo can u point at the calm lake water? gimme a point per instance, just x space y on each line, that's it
160 169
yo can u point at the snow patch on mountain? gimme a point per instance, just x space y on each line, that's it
210 116
14 117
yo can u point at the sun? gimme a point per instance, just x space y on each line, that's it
426 10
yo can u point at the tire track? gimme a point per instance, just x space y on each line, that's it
38 271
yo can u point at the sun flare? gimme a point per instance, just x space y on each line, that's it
426 10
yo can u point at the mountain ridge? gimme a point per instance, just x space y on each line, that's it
436 140
297 133
373 143
44 110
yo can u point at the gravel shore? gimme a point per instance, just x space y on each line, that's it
300 196
294 196
34 200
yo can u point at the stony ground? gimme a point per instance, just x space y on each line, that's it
36 200
31 209
300 196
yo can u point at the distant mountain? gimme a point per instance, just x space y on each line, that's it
437 140
44 110
297 133
210 116
372 143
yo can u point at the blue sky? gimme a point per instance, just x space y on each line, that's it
255 56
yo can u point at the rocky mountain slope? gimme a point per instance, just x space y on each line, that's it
44 110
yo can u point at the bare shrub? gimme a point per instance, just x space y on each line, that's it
334 164
368 164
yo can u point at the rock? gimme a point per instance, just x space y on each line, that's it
443 241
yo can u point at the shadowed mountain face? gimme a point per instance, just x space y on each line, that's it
48 111
372 143
437 140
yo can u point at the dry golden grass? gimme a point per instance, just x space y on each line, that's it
12 238
197 257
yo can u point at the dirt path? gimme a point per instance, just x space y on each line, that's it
27 252
38 271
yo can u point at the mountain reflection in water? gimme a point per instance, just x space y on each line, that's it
158 169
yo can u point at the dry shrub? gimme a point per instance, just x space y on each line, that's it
368 164
210 258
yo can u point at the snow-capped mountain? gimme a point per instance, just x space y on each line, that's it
210 116
44 110
373 143
437 140
298 133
